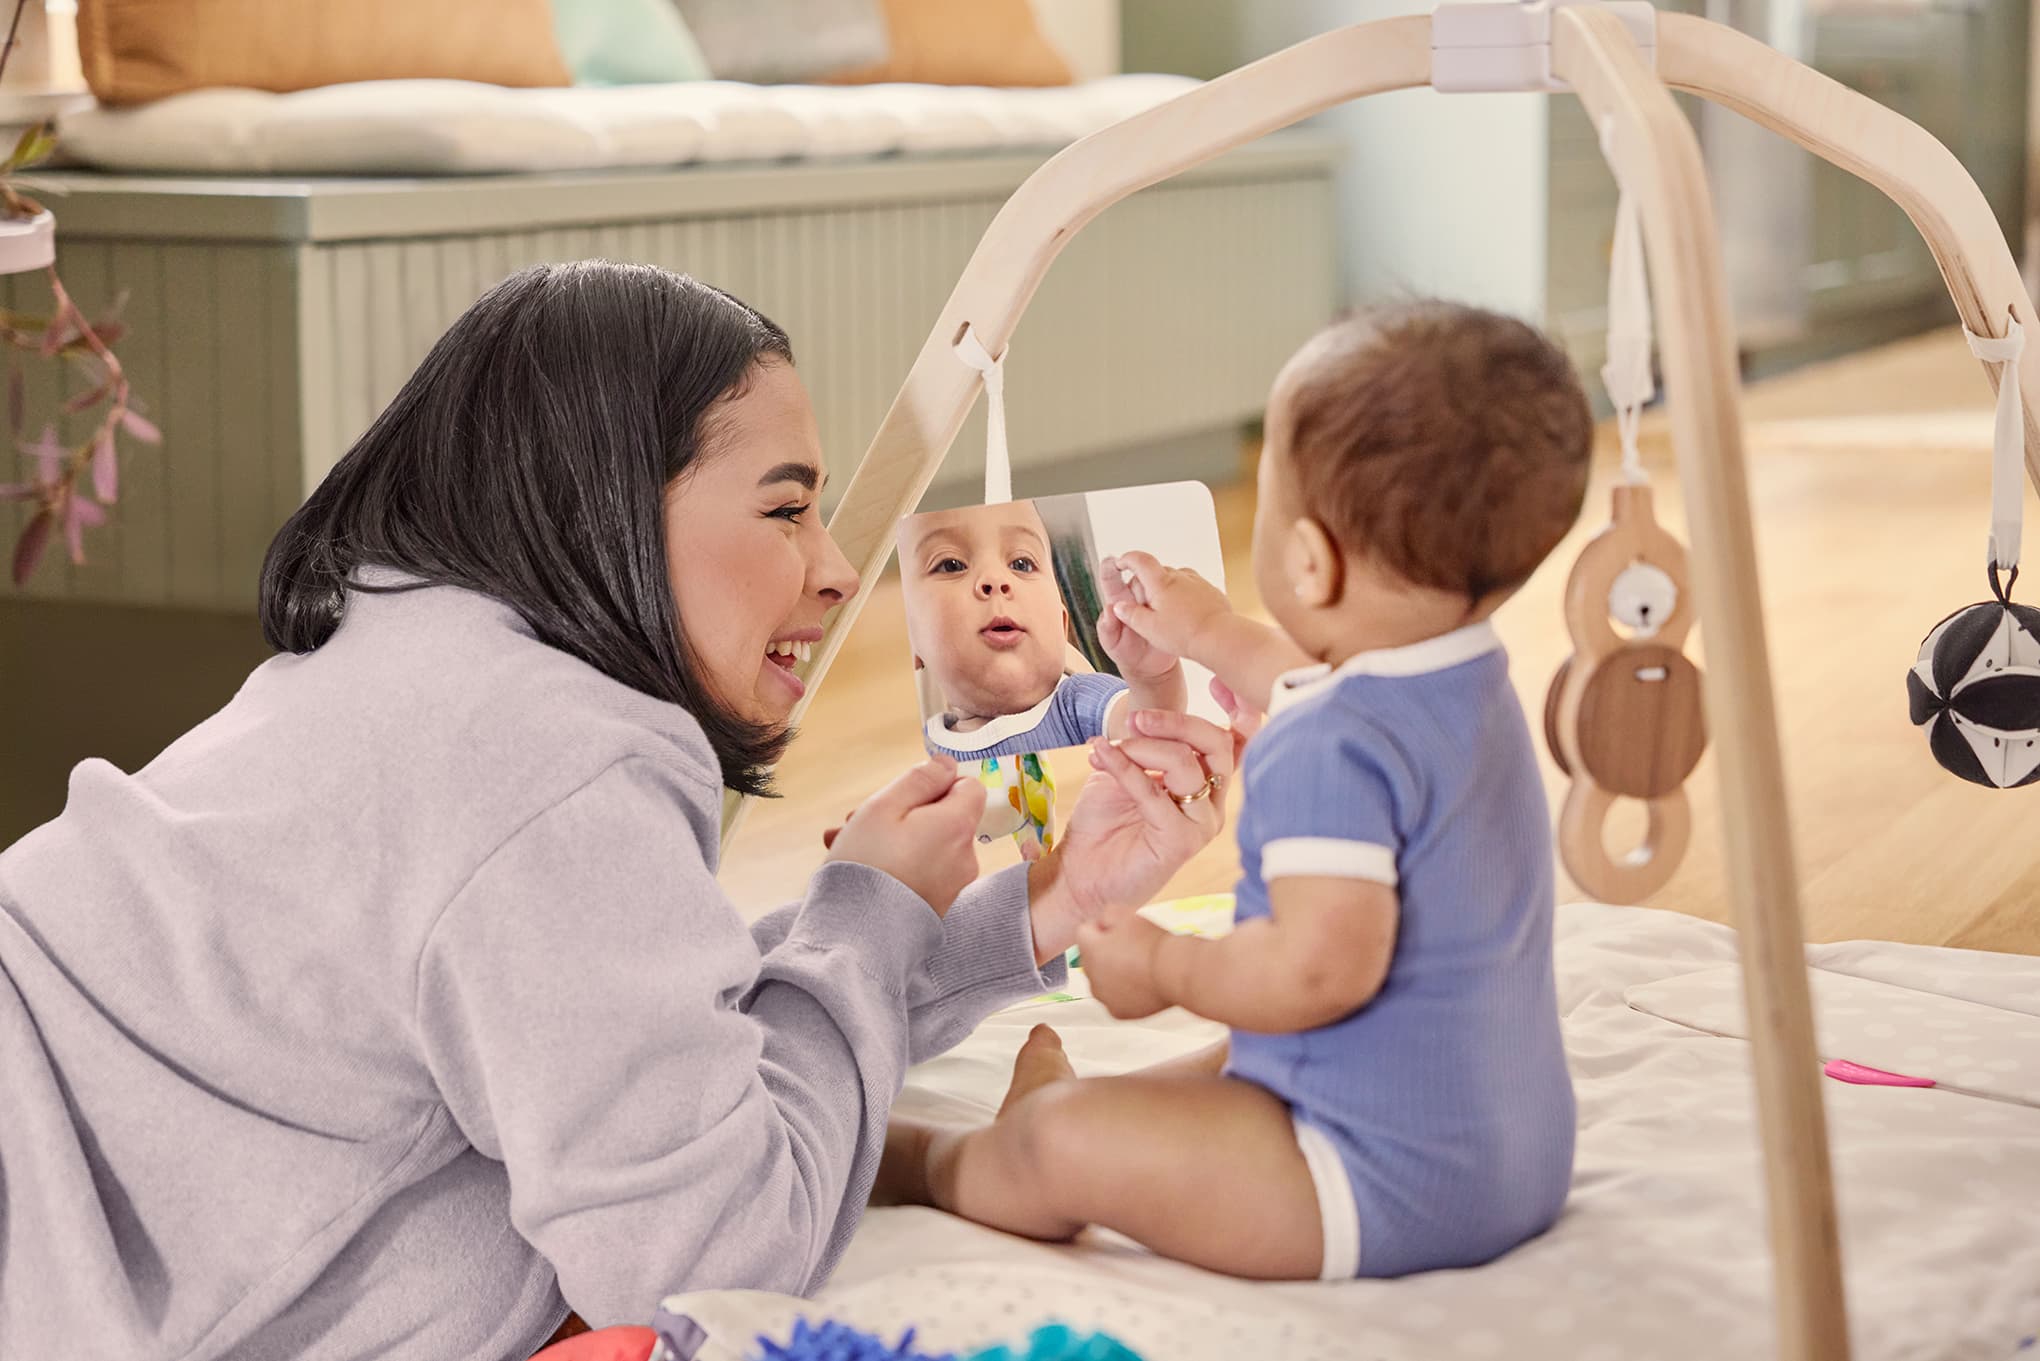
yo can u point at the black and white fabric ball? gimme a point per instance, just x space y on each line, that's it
1976 690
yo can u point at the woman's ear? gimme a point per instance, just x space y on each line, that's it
1312 562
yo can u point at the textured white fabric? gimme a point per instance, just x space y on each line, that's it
1334 1202
1664 1238
2008 439
1627 375
1323 857
998 463
448 127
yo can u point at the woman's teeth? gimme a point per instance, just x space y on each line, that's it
800 652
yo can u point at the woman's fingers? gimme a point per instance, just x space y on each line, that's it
829 834
1211 742
1182 772
1155 806
928 782
964 802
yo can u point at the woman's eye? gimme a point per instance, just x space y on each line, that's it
950 566
1024 564
791 514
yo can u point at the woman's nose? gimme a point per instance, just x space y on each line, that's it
834 578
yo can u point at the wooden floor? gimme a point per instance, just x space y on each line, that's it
1870 479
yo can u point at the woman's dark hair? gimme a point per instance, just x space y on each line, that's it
528 459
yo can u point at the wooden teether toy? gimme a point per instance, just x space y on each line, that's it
1623 718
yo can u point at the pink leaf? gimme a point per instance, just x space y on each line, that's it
49 454
62 331
105 467
79 514
74 534
90 397
20 491
140 427
28 551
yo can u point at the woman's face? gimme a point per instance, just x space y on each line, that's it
753 571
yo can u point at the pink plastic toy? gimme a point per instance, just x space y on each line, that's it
1844 1071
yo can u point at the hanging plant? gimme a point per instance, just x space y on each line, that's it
64 504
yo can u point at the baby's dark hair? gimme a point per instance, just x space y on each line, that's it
1448 444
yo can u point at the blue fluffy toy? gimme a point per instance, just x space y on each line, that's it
834 1342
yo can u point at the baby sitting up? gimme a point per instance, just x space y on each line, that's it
1394 1096
988 626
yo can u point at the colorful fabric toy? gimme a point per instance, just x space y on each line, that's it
1020 802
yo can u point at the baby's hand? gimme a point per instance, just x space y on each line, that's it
1137 658
1171 607
1119 960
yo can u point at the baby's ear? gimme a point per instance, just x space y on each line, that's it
1313 564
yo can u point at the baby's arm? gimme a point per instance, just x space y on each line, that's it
1187 616
1321 955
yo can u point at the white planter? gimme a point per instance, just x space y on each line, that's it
27 244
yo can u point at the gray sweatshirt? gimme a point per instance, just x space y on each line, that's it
395 1009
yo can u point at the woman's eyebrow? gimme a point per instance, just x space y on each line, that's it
803 473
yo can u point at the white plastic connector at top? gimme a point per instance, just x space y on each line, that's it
1507 46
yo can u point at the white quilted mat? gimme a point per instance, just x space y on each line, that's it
447 127
1661 1251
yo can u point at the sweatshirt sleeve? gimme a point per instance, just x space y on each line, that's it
984 961
675 1109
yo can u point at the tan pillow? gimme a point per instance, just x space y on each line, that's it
964 42
138 50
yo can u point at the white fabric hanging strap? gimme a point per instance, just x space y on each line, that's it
1627 374
998 463
2008 443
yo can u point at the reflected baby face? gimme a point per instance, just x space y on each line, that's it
983 611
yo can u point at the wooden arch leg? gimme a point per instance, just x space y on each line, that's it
1659 159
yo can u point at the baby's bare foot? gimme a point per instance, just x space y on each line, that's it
1041 1062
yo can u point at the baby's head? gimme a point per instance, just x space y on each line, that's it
1421 461
983 612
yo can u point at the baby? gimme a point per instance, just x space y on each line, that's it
1394 1095
987 624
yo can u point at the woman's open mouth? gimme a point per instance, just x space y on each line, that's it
1002 634
782 655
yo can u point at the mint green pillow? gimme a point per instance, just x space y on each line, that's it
626 42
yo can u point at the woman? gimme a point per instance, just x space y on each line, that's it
395 1010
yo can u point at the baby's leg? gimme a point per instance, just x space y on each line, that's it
1197 1167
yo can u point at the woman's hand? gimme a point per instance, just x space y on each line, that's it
1127 833
921 829
1119 961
